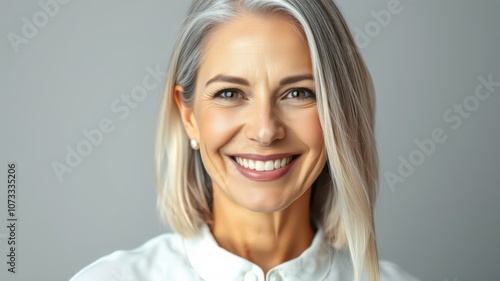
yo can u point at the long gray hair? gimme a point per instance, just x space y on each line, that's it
346 109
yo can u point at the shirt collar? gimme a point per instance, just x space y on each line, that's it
213 263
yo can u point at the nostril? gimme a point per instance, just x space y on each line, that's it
267 136
264 132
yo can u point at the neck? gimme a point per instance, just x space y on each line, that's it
266 239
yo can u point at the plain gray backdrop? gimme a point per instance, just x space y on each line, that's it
437 215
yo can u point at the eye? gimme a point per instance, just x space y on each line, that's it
301 94
228 94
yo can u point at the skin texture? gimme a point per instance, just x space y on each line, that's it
266 222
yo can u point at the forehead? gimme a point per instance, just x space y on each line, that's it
264 24
254 42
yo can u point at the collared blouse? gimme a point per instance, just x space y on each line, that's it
170 257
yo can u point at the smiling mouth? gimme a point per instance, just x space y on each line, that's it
264 166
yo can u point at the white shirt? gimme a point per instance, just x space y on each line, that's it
170 257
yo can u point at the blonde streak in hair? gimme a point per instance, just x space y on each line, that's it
354 207
364 197
366 152
351 207
362 82
369 123
365 101
169 149
344 231
160 151
184 186
368 164
181 187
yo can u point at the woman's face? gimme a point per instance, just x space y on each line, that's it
255 114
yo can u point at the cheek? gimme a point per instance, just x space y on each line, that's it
305 123
217 127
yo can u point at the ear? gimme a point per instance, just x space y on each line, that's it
187 115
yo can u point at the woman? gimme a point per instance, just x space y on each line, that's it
266 156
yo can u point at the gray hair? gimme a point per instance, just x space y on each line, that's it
346 111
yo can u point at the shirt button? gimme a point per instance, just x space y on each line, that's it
275 277
250 276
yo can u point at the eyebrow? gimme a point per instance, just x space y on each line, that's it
293 79
227 78
242 81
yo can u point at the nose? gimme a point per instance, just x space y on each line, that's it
265 126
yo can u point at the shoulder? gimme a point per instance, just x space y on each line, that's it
142 263
392 272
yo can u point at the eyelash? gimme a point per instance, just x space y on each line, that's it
217 95
312 94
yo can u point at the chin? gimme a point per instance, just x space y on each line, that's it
265 204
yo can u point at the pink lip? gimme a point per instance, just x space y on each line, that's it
263 157
263 175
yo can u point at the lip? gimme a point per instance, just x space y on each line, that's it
264 175
259 157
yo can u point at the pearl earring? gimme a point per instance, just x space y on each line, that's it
194 144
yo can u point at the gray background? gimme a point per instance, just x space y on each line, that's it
441 223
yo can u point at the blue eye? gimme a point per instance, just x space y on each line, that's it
228 94
301 94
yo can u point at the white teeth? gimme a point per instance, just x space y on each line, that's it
269 166
259 166
263 165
